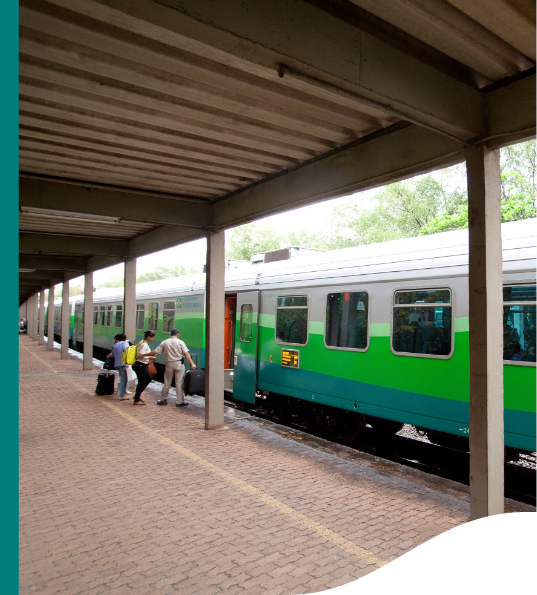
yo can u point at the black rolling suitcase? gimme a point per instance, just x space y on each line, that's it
105 384
195 382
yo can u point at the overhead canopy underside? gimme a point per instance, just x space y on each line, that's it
177 117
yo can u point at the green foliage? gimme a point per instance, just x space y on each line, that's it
162 272
399 210
517 176
420 206
249 239
115 281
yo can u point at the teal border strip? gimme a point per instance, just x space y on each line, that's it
9 441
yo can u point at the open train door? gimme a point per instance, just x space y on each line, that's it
78 326
245 369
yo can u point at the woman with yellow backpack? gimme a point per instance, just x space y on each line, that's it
140 366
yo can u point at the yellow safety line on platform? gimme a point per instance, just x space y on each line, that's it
332 536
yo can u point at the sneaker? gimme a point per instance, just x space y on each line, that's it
181 404
162 402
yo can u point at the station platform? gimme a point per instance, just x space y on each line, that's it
122 499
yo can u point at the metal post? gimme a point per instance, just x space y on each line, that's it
486 338
215 313
41 326
50 319
87 335
66 321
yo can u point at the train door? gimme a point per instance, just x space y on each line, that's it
229 331
78 326
245 360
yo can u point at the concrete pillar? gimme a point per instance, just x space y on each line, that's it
87 358
34 317
129 305
29 314
41 325
66 321
215 314
486 336
50 318
129 300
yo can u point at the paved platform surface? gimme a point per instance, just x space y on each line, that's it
122 499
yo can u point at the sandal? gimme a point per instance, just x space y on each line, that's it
139 403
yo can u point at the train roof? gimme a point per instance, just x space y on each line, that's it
423 257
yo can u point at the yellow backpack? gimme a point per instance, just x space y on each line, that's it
129 355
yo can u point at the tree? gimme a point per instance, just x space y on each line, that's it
517 179
398 210
248 239
115 281
162 272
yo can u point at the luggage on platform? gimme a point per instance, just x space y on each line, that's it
105 384
195 382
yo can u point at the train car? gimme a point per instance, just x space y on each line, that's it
375 335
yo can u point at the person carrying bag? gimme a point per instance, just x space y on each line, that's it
140 367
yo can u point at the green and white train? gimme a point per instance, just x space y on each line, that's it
373 335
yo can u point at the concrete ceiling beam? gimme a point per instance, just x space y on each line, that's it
258 38
173 176
30 137
398 153
159 57
54 263
78 199
511 112
221 103
161 239
55 115
42 278
135 100
42 243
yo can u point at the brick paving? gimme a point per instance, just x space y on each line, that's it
123 499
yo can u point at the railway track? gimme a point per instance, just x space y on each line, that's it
441 461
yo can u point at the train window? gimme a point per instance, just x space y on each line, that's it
102 313
246 323
422 322
519 323
119 316
109 315
140 313
168 317
346 320
95 315
152 322
292 320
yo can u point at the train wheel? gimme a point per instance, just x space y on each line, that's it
351 426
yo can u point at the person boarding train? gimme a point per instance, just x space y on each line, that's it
175 352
